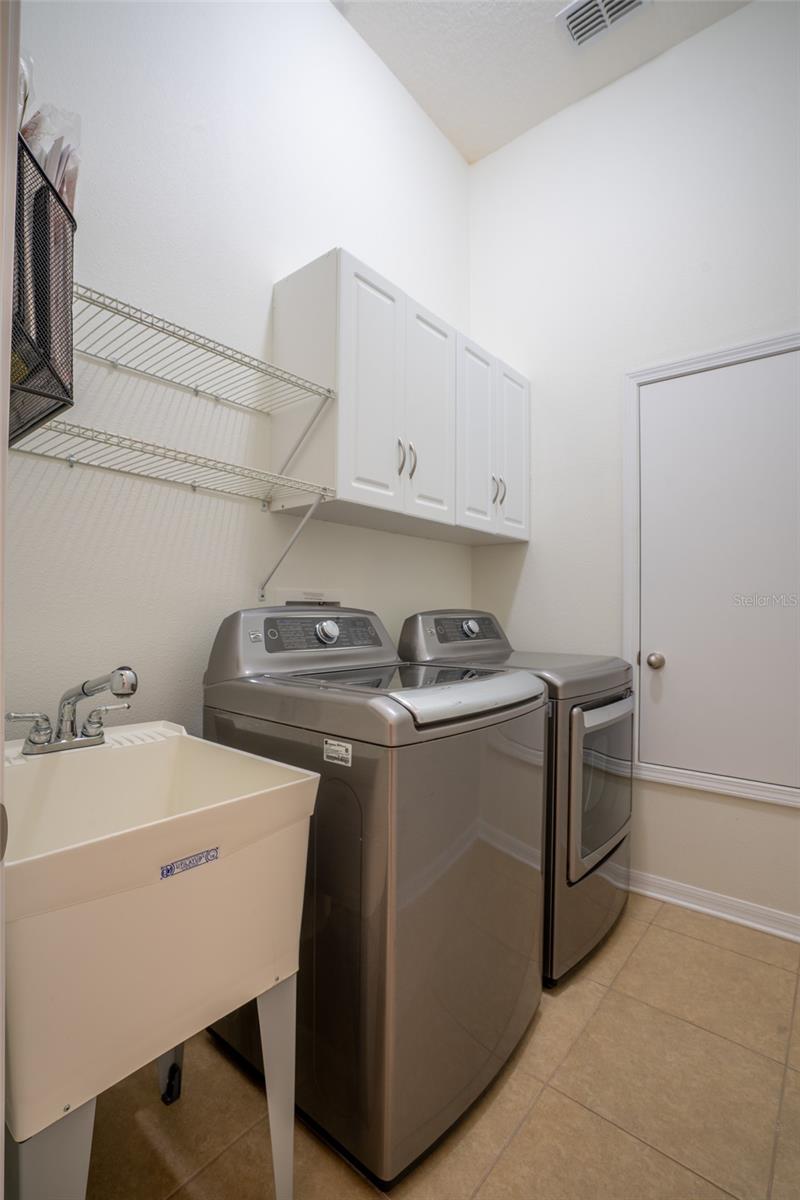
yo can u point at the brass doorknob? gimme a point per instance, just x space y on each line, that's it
656 660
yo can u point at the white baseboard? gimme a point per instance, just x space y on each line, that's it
715 904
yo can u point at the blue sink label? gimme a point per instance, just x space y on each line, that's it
187 864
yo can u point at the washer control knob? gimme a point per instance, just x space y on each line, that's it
327 632
471 627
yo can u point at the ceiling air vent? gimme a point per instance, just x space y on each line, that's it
587 18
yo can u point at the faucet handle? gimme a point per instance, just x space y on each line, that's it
40 733
93 725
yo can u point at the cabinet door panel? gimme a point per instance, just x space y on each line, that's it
513 451
371 359
430 415
720 571
475 433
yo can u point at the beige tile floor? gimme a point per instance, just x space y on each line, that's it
667 1067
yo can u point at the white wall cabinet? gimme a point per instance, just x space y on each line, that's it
477 482
513 433
423 418
371 388
429 418
493 424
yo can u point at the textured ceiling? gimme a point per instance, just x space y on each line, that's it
487 70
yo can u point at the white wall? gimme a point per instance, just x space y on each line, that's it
656 219
223 146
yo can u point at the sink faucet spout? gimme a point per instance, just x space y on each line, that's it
120 682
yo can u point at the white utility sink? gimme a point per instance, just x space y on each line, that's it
154 884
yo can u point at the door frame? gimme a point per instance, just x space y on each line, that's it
631 569
9 67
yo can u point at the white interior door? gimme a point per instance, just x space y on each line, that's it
513 451
372 446
430 415
477 485
720 571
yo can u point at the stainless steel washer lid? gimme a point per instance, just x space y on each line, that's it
431 693
469 636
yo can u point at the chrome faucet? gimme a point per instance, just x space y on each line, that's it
41 739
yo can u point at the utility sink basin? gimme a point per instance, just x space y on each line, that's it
154 884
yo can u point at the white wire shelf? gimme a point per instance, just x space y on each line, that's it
129 456
111 331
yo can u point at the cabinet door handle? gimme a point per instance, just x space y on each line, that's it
402 449
412 454
496 491
505 489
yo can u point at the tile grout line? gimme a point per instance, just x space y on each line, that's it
624 963
216 1157
703 1028
643 1142
508 1141
739 953
568 1051
644 920
777 1131
545 1084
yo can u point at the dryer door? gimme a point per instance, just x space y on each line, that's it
600 783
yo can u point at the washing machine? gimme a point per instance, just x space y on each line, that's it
421 952
589 776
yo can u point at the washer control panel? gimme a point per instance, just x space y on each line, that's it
284 639
282 633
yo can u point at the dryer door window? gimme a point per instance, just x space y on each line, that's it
601 782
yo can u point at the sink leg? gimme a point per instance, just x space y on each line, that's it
54 1162
276 1017
170 1074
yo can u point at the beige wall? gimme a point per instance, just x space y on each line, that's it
724 844
654 220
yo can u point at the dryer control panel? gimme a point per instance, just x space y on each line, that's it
452 635
465 628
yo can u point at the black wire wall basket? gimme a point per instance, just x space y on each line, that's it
41 336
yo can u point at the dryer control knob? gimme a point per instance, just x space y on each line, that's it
327 632
471 627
